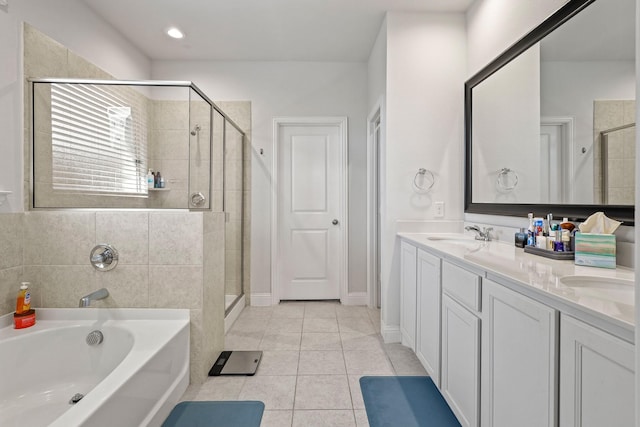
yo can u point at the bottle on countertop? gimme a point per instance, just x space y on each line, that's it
521 238
531 234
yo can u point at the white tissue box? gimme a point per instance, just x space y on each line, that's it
595 250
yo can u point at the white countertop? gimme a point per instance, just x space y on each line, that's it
611 308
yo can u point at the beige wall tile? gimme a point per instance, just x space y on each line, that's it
175 238
59 238
44 57
128 286
10 279
61 286
175 287
172 115
11 238
127 232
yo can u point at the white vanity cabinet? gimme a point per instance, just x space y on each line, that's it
596 377
428 315
518 360
408 292
460 371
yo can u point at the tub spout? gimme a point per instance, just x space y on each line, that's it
85 301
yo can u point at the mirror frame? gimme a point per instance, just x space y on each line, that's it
574 212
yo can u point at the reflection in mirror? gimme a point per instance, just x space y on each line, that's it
539 110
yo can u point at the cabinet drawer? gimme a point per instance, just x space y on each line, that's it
461 285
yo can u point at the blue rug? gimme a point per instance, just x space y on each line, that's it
216 414
406 402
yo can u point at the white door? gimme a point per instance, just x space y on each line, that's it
310 208
551 163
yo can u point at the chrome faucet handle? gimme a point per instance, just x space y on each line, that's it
104 257
486 232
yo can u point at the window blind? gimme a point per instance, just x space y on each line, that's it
99 139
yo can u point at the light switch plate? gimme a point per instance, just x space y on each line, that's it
439 210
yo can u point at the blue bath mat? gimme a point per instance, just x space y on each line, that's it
216 414
406 402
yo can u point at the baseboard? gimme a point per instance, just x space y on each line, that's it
356 298
233 315
391 334
261 300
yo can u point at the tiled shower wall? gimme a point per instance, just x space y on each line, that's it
609 114
167 260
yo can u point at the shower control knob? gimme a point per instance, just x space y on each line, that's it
197 199
334 222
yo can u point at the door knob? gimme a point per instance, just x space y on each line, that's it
334 222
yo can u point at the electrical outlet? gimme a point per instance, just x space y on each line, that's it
439 210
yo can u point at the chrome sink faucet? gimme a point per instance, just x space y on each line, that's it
85 301
484 234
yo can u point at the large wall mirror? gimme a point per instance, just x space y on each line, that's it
550 123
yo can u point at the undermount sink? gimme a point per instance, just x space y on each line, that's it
597 282
453 238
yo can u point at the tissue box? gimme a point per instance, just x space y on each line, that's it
595 250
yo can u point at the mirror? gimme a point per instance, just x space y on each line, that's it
550 123
95 143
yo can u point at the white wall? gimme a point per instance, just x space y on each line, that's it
569 89
424 110
73 24
278 89
494 25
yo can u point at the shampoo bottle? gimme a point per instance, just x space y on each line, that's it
150 179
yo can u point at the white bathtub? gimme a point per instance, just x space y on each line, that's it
133 378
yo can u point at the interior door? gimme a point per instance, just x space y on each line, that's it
310 225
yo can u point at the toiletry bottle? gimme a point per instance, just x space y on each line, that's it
23 302
162 182
150 179
531 235
521 238
158 177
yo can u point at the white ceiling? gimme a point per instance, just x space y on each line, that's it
259 30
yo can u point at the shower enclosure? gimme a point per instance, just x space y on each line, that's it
95 144
617 165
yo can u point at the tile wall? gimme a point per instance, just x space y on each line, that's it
609 114
167 260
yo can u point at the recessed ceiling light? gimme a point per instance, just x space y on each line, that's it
175 33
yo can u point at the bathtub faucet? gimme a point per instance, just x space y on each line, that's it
85 301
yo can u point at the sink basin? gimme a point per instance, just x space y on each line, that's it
608 293
453 238
596 282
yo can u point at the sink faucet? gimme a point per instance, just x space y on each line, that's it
85 301
483 234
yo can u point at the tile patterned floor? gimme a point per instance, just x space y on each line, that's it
314 354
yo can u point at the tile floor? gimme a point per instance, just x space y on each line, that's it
314 354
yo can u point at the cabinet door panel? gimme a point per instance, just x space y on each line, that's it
460 361
596 377
428 333
408 294
518 360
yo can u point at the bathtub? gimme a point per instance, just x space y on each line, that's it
133 378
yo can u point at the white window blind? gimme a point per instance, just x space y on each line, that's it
99 139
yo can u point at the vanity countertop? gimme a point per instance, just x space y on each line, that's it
560 284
